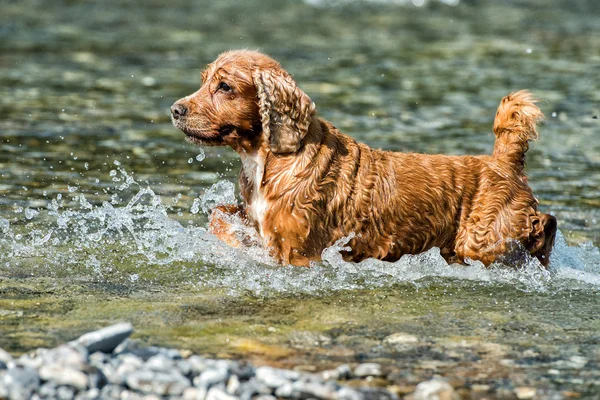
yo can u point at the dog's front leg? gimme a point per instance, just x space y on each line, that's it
228 223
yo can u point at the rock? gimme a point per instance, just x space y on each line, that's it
118 369
233 385
341 372
435 389
212 377
74 356
400 338
62 375
264 397
65 393
160 362
275 377
368 369
20 382
5 358
319 390
193 393
170 383
216 393
525 392
106 339
92 394
197 364
253 387
347 393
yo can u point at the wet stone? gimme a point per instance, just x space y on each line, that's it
525 392
20 382
163 383
368 369
435 389
5 358
63 375
212 377
106 339
342 372
216 393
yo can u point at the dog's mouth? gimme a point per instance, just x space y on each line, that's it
200 136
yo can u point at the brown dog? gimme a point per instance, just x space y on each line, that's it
305 184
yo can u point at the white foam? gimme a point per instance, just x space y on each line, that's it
144 234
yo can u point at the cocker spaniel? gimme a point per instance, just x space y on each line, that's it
305 184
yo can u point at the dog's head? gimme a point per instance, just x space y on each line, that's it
246 99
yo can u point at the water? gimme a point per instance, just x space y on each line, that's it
103 207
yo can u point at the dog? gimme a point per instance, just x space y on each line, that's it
306 185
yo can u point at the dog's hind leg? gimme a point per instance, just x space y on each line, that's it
542 237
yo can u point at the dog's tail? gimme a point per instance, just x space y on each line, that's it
515 126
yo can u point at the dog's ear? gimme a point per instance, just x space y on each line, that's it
285 110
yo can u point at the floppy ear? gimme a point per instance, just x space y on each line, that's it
285 110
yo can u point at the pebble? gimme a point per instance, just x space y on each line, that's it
435 389
368 369
400 339
20 382
63 375
106 339
525 392
105 364
163 383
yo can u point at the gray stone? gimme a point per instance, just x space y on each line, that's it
63 375
111 392
252 387
317 390
400 338
212 377
170 383
233 385
368 369
275 377
5 357
435 389
265 397
106 339
117 370
21 382
92 394
197 364
65 393
341 372
74 356
346 393
160 362
216 393
48 390
184 367
193 393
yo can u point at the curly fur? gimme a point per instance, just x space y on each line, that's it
305 184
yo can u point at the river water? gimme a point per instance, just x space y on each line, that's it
103 205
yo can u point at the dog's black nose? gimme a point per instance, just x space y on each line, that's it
178 110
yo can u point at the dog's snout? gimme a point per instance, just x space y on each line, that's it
178 110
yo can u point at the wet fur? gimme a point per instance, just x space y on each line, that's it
313 185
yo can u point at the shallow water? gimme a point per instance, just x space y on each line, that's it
103 205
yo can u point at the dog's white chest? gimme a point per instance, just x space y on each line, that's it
253 167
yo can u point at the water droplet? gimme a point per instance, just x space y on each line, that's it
30 214
191 160
201 156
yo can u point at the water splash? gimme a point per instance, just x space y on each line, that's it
140 239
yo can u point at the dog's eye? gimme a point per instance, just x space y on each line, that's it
224 87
